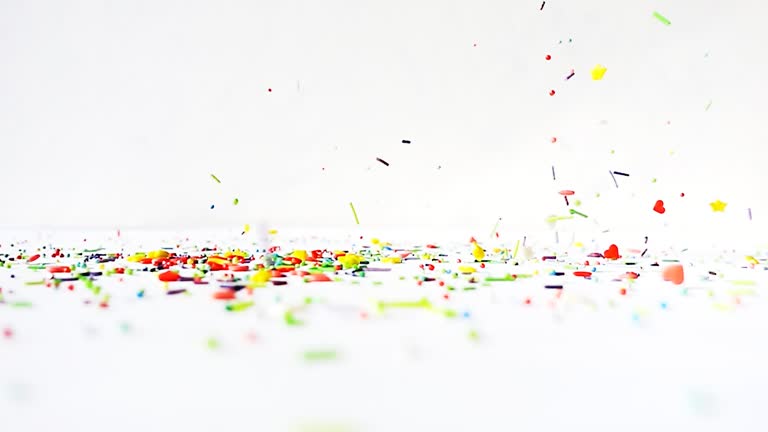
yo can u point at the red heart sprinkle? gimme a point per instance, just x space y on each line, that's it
612 252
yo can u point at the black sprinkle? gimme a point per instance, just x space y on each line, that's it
383 161
643 254
176 291
542 5
406 141
621 173
553 286
713 273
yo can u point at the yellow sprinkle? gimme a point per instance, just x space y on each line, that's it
598 72
136 257
578 244
722 306
752 260
260 277
272 232
392 260
375 241
466 269
744 282
350 260
478 252
158 254
246 228
300 254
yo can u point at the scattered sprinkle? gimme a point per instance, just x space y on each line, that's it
661 18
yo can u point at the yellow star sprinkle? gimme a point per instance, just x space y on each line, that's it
718 206
598 72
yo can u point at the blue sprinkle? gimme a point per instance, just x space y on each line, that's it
212 206
467 314
663 305
140 294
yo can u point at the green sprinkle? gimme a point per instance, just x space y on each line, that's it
423 303
41 282
578 213
506 278
354 213
212 343
292 320
450 313
216 179
236 201
473 335
320 355
661 18
239 306
21 304
36 267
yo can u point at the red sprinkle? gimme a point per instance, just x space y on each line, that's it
225 294
59 269
548 57
582 273
238 268
33 258
169 276
551 92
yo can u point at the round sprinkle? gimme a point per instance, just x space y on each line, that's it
551 92
548 57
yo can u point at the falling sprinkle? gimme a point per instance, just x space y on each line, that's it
614 179
621 173
542 6
383 161
236 201
495 227
661 18
212 206
598 72
320 355
213 176
571 75
708 105
572 211
354 213
749 212
718 206
406 141
212 343
553 173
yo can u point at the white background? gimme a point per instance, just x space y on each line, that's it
113 114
